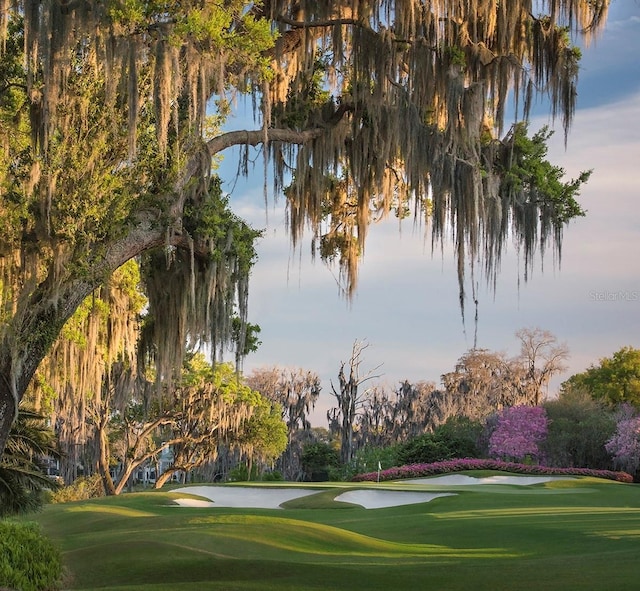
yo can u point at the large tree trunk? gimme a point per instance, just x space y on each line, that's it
8 410
103 458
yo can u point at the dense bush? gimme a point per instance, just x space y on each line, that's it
318 460
459 437
24 484
452 466
28 560
624 445
579 428
83 488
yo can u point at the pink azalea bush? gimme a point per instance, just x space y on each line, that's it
518 432
451 466
624 445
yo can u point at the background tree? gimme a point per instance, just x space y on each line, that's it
615 379
624 445
318 460
518 433
263 436
295 391
413 411
374 424
579 427
107 148
478 385
541 357
350 400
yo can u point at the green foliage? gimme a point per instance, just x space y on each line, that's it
615 379
16 158
28 560
265 433
455 56
306 94
244 336
318 459
424 449
272 476
227 27
527 170
368 459
23 482
241 473
459 437
83 488
579 427
211 219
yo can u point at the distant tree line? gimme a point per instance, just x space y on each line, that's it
210 422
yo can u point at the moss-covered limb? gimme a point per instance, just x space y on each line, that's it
103 137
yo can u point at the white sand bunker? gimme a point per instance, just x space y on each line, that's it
463 480
244 497
241 497
377 499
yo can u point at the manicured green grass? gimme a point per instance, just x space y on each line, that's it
572 535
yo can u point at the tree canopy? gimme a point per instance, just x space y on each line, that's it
110 120
614 379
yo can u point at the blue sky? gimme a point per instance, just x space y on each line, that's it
406 306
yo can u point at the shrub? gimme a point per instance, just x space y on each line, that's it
579 428
518 433
81 489
318 460
452 466
624 445
272 476
28 560
457 438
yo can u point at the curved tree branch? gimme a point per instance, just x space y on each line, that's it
255 137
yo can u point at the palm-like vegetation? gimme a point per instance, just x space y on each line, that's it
22 476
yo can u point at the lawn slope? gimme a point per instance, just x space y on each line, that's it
577 534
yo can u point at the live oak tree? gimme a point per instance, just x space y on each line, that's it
110 115
295 391
204 409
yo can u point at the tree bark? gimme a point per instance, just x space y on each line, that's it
103 459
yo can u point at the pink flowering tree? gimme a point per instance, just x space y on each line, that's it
519 431
624 445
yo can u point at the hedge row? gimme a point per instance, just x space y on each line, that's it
450 466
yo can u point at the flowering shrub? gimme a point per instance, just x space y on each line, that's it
450 466
519 431
624 446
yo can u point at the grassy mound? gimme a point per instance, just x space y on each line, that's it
580 536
